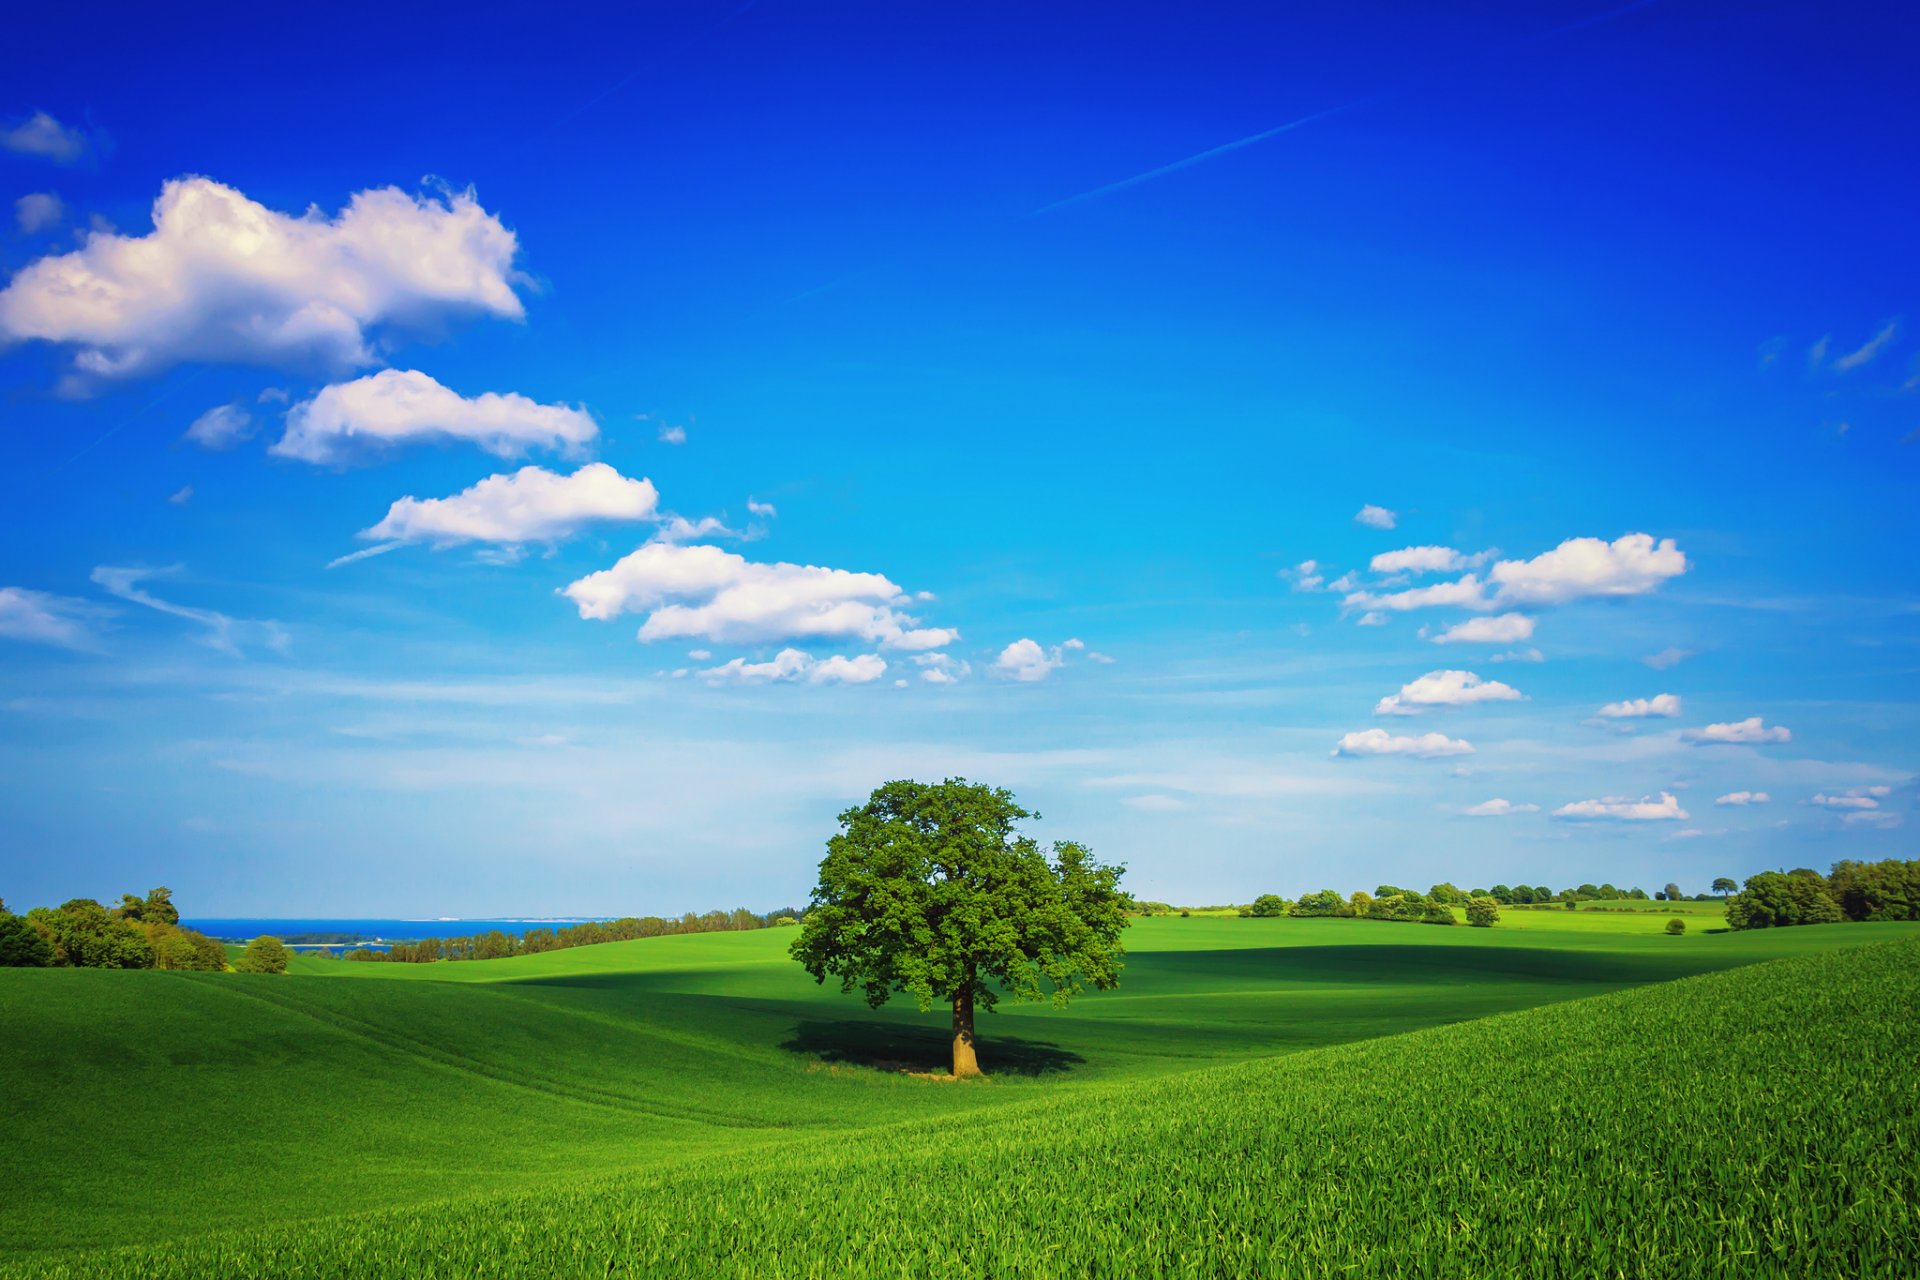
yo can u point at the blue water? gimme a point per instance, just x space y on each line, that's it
241 930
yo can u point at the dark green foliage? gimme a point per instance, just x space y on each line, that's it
929 890
265 954
1772 900
1723 886
1268 905
1676 926
1447 895
1437 914
496 945
1324 902
1483 913
85 935
21 946
1402 906
1887 890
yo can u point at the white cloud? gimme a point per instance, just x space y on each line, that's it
528 505
38 210
1667 658
673 435
705 593
1375 517
400 406
941 668
38 617
756 508
1104 660
182 496
224 633
681 529
1864 354
220 427
1852 798
1580 567
1425 560
1378 742
1519 655
222 278
1750 730
1660 704
42 135
1871 818
1466 592
1501 628
1498 809
1306 576
1445 689
791 666
1741 799
1371 618
1025 661
1618 809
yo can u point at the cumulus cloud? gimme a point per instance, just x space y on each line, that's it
1025 661
1501 628
1582 567
705 593
350 420
528 505
791 666
1748 731
1445 689
222 278
225 633
1660 704
757 508
38 617
941 668
1740 799
1425 560
1498 809
38 210
1375 517
1852 798
1306 576
673 435
1378 742
681 529
42 135
1618 809
220 427
1465 593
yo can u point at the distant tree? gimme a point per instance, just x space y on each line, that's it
1437 913
1324 902
1573 904
1360 903
21 946
1269 905
1483 913
1660 895
930 890
1393 891
85 935
1774 900
1676 926
1724 886
1885 890
265 954
1673 893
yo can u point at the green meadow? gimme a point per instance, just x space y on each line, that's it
1568 1092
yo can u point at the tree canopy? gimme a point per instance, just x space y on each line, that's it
930 890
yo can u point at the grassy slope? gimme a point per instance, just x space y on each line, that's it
145 1106
1760 1122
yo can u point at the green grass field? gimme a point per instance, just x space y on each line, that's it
1259 1096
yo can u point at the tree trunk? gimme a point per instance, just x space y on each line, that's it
964 1062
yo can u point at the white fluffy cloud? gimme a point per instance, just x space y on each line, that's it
349 420
1581 567
1659 705
1748 731
1445 689
1375 517
1025 661
1378 742
42 135
1498 809
705 593
225 279
38 617
1501 628
1425 560
1464 593
791 666
528 505
221 427
1852 798
1740 799
942 668
38 210
1618 809
758 508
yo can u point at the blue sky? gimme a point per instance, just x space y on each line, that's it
814 352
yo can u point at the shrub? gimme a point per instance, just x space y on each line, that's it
1268 905
1676 926
1407 908
1437 914
265 954
1324 902
1483 913
1572 905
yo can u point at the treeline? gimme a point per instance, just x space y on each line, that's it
1390 902
1886 890
1447 895
140 933
497 945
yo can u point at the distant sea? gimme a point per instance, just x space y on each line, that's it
242 930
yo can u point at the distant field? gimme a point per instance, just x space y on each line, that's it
146 1107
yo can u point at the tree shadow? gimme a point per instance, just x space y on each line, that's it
885 1047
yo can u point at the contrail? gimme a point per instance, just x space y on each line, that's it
364 553
1384 95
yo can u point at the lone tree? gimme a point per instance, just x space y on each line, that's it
929 890
1724 886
